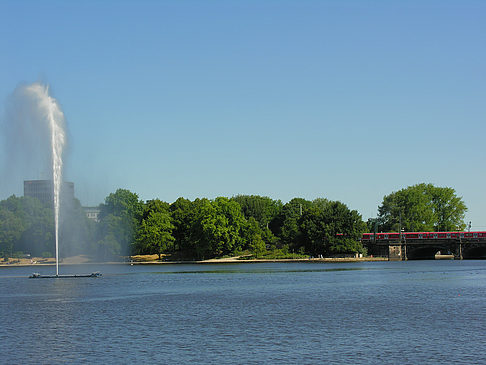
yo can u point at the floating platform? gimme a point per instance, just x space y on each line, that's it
36 275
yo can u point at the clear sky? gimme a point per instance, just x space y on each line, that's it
347 100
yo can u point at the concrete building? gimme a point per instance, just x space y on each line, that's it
44 191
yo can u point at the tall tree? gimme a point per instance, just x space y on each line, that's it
216 228
235 221
330 227
422 207
155 234
449 209
262 208
182 214
206 229
154 206
11 229
37 222
252 236
120 216
286 226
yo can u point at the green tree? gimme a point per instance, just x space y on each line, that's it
155 234
252 235
37 227
262 208
422 207
182 214
449 209
286 226
37 222
11 229
235 221
206 229
154 206
216 228
330 227
120 216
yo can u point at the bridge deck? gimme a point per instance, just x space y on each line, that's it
411 249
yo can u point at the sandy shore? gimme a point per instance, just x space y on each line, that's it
153 259
239 261
149 260
34 261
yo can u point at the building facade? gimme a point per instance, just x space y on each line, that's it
44 191
92 213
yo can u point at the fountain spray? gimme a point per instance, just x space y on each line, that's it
52 114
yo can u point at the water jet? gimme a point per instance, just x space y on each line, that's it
50 112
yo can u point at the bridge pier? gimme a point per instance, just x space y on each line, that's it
397 252
458 252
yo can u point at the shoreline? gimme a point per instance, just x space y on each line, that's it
202 262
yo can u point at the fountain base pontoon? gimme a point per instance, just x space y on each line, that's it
36 275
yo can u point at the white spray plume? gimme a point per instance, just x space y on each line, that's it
52 114
35 138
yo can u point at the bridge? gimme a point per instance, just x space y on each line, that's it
402 247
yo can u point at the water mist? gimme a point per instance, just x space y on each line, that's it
50 113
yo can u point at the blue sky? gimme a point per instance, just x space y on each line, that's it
348 100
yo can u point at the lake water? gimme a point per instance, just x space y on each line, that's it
413 312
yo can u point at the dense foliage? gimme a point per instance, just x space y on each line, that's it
422 208
27 226
119 217
199 229
245 224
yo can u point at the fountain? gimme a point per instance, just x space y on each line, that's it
50 112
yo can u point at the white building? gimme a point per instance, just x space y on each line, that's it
92 213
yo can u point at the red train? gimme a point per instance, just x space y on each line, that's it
423 235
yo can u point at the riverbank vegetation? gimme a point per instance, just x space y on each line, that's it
420 208
250 226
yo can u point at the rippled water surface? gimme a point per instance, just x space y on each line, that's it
411 312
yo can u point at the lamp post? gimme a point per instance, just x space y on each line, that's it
400 225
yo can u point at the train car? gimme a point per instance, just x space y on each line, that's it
367 237
393 236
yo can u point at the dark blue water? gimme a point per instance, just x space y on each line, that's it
413 312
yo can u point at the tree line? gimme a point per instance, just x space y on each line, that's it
420 208
253 225
204 228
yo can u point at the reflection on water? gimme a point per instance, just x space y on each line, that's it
388 312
